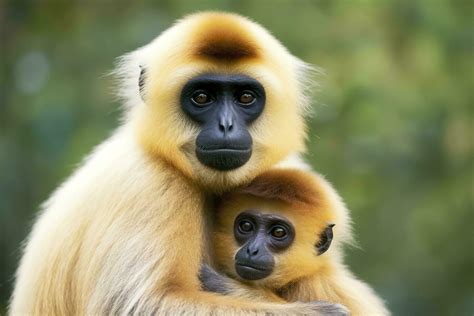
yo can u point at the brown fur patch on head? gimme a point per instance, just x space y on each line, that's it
224 37
291 186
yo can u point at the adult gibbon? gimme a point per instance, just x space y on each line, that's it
281 238
209 104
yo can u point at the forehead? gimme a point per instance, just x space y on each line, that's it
265 216
302 218
192 70
213 79
239 204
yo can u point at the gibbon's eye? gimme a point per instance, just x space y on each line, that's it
246 97
245 226
279 232
201 98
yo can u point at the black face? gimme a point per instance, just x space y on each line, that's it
224 106
260 236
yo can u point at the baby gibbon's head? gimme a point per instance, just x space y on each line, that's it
277 229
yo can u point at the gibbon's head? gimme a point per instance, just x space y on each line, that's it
217 97
279 228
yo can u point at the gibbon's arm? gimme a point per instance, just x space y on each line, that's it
341 287
125 235
216 282
213 281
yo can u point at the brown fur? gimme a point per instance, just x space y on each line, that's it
310 203
224 38
294 187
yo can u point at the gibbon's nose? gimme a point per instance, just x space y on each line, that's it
226 125
252 250
226 119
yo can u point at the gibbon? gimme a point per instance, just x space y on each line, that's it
209 104
281 237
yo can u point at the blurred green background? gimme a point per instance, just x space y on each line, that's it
392 127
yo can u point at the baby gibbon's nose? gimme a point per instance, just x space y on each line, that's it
252 252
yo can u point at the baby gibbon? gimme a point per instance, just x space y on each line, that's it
282 237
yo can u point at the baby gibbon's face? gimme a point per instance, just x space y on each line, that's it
260 236
263 237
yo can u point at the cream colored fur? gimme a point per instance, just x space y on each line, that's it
126 232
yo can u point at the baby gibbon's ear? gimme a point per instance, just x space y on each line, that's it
325 239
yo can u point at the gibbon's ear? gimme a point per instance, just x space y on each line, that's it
325 240
141 82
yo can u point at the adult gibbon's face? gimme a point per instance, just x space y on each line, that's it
221 102
224 106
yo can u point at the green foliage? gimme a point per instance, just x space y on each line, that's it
392 127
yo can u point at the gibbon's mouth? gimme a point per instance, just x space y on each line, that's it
224 159
252 272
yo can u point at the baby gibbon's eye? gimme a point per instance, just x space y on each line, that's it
201 98
279 232
245 226
246 98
